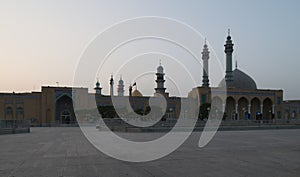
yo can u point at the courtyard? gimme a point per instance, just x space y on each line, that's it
64 151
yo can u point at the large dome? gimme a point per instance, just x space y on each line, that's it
241 81
136 93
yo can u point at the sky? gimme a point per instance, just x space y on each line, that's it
42 42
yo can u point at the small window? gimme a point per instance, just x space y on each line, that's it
278 114
20 111
8 111
278 100
203 99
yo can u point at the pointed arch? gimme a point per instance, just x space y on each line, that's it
230 108
8 112
243 108
217 102
255 107
267 109
64 112
217 107
20 113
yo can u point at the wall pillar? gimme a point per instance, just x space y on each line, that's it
236 111
249 108
249 111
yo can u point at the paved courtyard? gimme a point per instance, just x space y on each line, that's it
65 152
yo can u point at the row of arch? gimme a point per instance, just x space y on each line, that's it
244 109
9 112
291 114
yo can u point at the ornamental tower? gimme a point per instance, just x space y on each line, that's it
130 90
228 51
205 57
121 87
160 80
111 83
98 88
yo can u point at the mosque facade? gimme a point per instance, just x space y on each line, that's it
244 101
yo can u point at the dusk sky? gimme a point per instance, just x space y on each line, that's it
41 42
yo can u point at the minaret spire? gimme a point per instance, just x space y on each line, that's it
205 58
228 50
98 88
121 87
160 80
111 83
130 90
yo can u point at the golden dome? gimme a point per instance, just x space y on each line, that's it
136 93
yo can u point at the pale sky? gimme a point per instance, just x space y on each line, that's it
41 41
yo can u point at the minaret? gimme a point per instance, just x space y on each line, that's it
228 51
130 90
111 83
98 88
121 87
160 80
205 57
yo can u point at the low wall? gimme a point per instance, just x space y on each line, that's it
4 131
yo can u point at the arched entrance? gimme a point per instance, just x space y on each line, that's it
243 108
230 108
9 113
20 113
65 117
216 107
267 111
255 108
64 110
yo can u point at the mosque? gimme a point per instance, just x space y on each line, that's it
53 105
244 100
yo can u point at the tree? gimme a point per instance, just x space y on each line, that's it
204 111
107 111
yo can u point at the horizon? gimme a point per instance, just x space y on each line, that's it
42 42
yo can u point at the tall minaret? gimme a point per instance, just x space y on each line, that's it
160 80
121 87
205 57
130 90
228 51
98 88
111 83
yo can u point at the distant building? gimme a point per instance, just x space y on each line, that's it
244 101
291 109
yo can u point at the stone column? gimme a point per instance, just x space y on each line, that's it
249 111
273 113
236 111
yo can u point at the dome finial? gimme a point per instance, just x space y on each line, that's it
236 64
159 62
228 31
